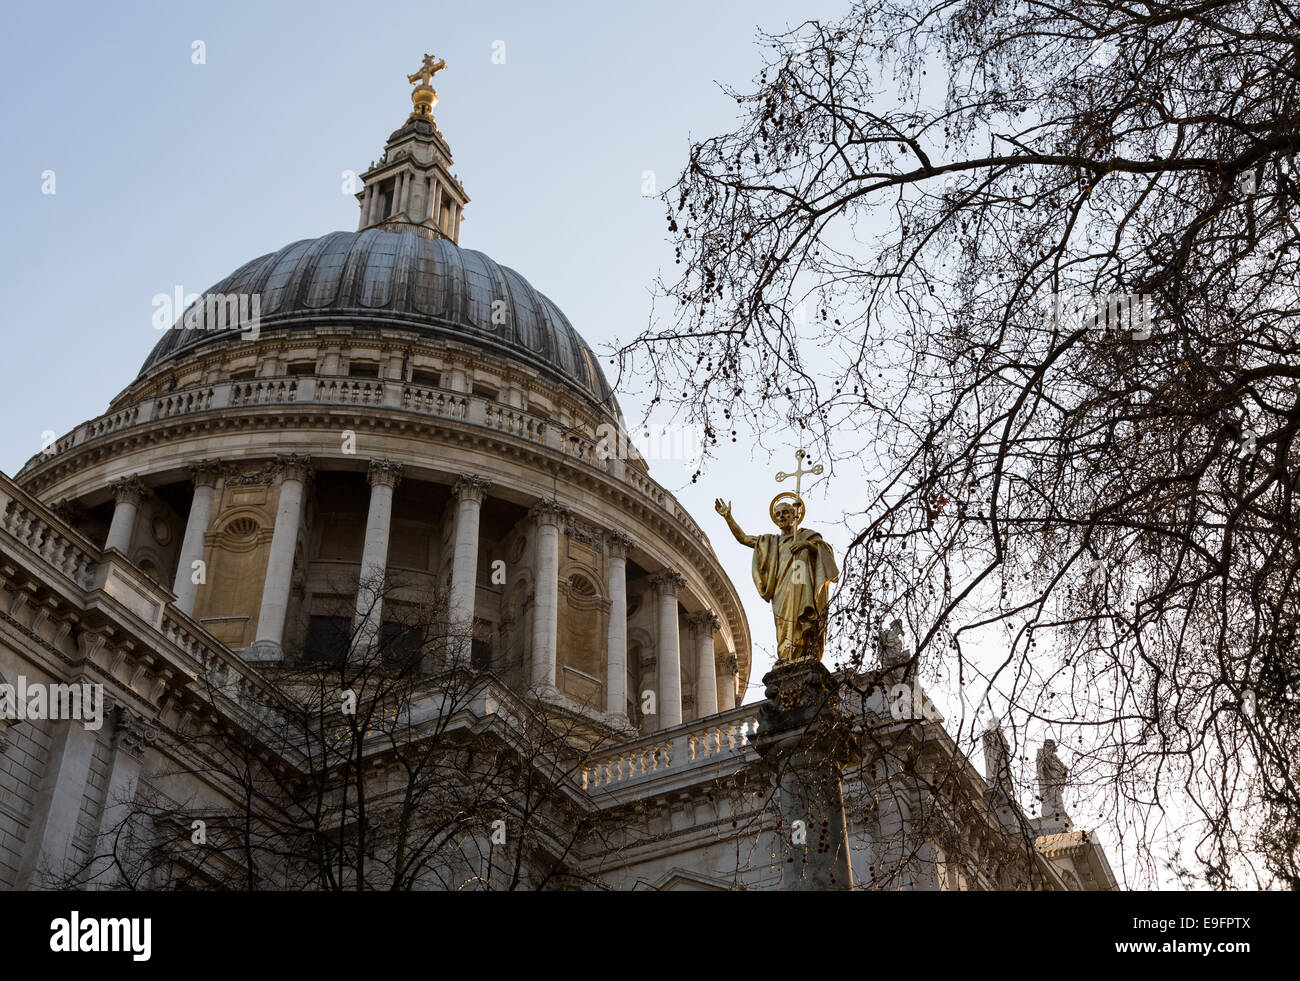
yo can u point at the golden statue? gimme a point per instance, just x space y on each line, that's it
424 98
792 571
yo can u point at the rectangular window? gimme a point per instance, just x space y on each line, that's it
429 379
401 642
246 375
328 639
485 391
302 368
363 369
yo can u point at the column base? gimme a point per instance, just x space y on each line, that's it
263 651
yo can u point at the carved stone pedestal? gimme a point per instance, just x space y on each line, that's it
804 739
263 652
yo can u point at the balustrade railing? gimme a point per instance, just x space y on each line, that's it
434 401
345 390
694 744
267 391
59 545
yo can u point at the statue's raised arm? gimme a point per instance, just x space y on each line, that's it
724 508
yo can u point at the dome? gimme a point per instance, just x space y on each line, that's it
375 279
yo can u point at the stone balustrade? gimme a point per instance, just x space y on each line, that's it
434 402
58 544
381 393
669 753
221 670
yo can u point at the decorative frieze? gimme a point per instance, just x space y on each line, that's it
253 478
582 532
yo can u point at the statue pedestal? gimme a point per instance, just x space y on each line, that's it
803 739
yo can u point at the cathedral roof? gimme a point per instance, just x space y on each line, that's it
377 278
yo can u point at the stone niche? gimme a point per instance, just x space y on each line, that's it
583 626
235 549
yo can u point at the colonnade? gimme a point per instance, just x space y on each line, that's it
548 519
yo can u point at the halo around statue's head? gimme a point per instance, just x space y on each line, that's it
797 504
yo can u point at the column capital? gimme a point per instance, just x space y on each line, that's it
668 581
293 467
618 543
705 621
134 732
384 473
471 487
730 665
128 490
206 473
549 512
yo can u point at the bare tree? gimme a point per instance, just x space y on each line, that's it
1031 269
374 759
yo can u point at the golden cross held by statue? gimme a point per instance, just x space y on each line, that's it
799 471
427 70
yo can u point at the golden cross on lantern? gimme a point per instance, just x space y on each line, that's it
428 69
799 472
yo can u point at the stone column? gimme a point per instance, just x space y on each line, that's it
548 517
706 669
469 492
727 683
128 493
666 585
206 475
435 199
616 642
383 477
803 738
294 472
